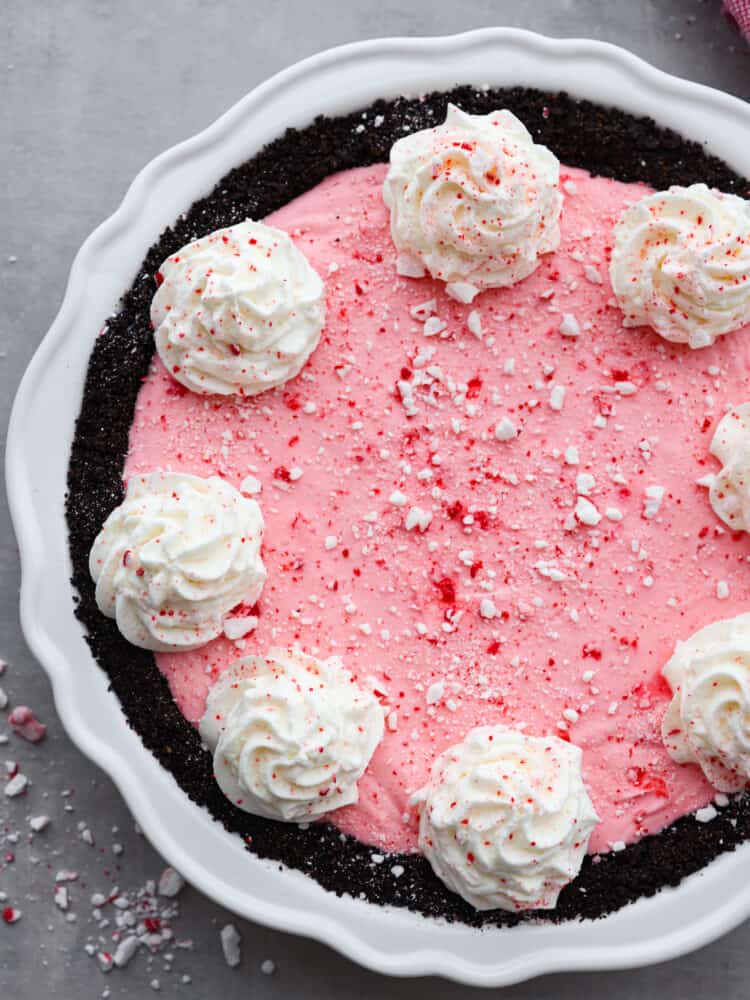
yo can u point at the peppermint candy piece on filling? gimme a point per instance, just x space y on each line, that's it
291 734
505 818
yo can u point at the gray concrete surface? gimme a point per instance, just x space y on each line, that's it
90 91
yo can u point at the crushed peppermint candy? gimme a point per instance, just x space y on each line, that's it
105 960
433 326
474 323
654 496
505 429
423 310
569 326
230 945
435 693
237 628
417 518
626 388
409 266
125 951
587 513
251 486
16 786
170 883
23 722
549 571
461 291
591 274
706 814
557 397
585 483
487 608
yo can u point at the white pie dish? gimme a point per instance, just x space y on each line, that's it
388 940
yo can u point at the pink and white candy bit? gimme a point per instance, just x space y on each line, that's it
23 722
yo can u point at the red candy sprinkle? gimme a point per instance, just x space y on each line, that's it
447 590
474 387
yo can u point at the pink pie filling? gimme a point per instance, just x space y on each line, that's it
582 620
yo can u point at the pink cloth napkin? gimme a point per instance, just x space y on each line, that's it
739 12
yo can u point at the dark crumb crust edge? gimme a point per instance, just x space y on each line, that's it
605 141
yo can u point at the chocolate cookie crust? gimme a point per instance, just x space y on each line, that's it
606 142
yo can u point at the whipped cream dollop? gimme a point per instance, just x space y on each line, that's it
505 818
681 264
175 557
291 734
729 490
238 311
473 201
708 720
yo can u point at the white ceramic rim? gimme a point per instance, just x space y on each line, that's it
385 939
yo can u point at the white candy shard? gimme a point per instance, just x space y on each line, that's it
230 945
654 496
125 951
505 429
462 291
417 518
170 883
569 326
587 513
487 608
557 397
